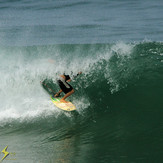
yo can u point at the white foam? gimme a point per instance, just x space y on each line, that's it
122 49
20 91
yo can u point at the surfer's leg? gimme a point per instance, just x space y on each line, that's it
67 95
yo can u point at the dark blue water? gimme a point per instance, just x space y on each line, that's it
79 21
118 47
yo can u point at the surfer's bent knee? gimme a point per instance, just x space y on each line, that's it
71 91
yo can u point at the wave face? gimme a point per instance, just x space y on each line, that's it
118 96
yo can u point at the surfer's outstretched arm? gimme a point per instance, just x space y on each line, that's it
77 74
58 93
74 76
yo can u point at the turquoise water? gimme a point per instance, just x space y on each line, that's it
118 47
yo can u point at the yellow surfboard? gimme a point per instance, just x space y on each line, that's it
64 106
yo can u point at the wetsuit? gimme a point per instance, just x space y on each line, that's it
66 87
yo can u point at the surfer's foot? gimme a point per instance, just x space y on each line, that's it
64 101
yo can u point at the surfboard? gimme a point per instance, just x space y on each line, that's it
56 100
61 105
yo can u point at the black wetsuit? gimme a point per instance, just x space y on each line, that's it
66 87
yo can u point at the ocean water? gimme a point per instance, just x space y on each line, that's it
118 47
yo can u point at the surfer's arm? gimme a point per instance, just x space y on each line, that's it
58 93
69 80
77 74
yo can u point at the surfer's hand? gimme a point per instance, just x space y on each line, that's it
57 94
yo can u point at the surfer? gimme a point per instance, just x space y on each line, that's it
63 83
